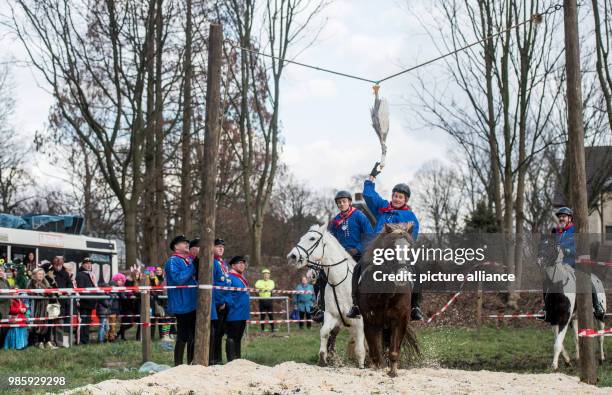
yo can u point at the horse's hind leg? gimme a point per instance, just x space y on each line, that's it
373 336
398 330
558 349
602 357
576 338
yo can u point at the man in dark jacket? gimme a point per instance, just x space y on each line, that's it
56 272
85 279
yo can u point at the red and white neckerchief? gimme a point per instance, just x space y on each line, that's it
344 217
184 258
223 264
390 207
562 230
239 277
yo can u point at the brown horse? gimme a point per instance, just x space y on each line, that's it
385 305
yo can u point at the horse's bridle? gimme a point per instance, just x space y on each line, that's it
317 265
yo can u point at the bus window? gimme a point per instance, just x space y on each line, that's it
47 254
21 253
75 256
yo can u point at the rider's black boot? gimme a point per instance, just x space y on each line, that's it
354 312
415 313
598 310
319 315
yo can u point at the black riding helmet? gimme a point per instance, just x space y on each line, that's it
343 194
402 188
564 210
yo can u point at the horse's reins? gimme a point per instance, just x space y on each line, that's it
325 268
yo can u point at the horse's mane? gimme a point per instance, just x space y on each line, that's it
387 237
334 240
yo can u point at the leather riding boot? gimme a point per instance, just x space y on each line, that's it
415 313
179 350
598 310
230 349
237 349
319 316
354 311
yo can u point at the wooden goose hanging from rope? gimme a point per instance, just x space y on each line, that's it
380 122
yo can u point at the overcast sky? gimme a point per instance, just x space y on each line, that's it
325 119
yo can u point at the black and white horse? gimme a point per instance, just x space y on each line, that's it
560 302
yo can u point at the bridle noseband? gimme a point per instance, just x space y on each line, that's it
316 264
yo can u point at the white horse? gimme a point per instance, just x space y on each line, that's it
562 302
320 249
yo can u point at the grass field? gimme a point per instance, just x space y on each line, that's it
526 350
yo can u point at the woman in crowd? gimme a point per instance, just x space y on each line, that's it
118 280
41 335
103 311
30 262
17 338
304 301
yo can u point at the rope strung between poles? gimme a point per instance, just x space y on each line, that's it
536 18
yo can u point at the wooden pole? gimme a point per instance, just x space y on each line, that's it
578 189
479 300
209 184
145 317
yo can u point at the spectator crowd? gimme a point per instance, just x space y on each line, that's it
46 319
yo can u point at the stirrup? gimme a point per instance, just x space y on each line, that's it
541 315
319 316
354 312
416 314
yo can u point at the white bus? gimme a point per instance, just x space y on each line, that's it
16 244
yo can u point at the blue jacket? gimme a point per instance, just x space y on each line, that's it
376 203
238 301
565 239
220 278
353 232
304 302
181 271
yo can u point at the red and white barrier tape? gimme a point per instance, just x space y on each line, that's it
276 321
105 290
268 312
514 316
444 308
595 333
81 324
596 263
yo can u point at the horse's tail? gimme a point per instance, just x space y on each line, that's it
410 343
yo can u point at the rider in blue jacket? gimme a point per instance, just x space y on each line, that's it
393 212
351 228
239 310
180 270
564 236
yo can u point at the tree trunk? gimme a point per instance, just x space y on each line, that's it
185 199
160 212
578 191
131 242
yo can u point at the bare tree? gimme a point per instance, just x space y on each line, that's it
602 16
257 105
440 195
96 60
13 178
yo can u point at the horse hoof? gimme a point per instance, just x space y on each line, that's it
322 361
392 373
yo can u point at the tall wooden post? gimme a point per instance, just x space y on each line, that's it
578 189
145 319
209 185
